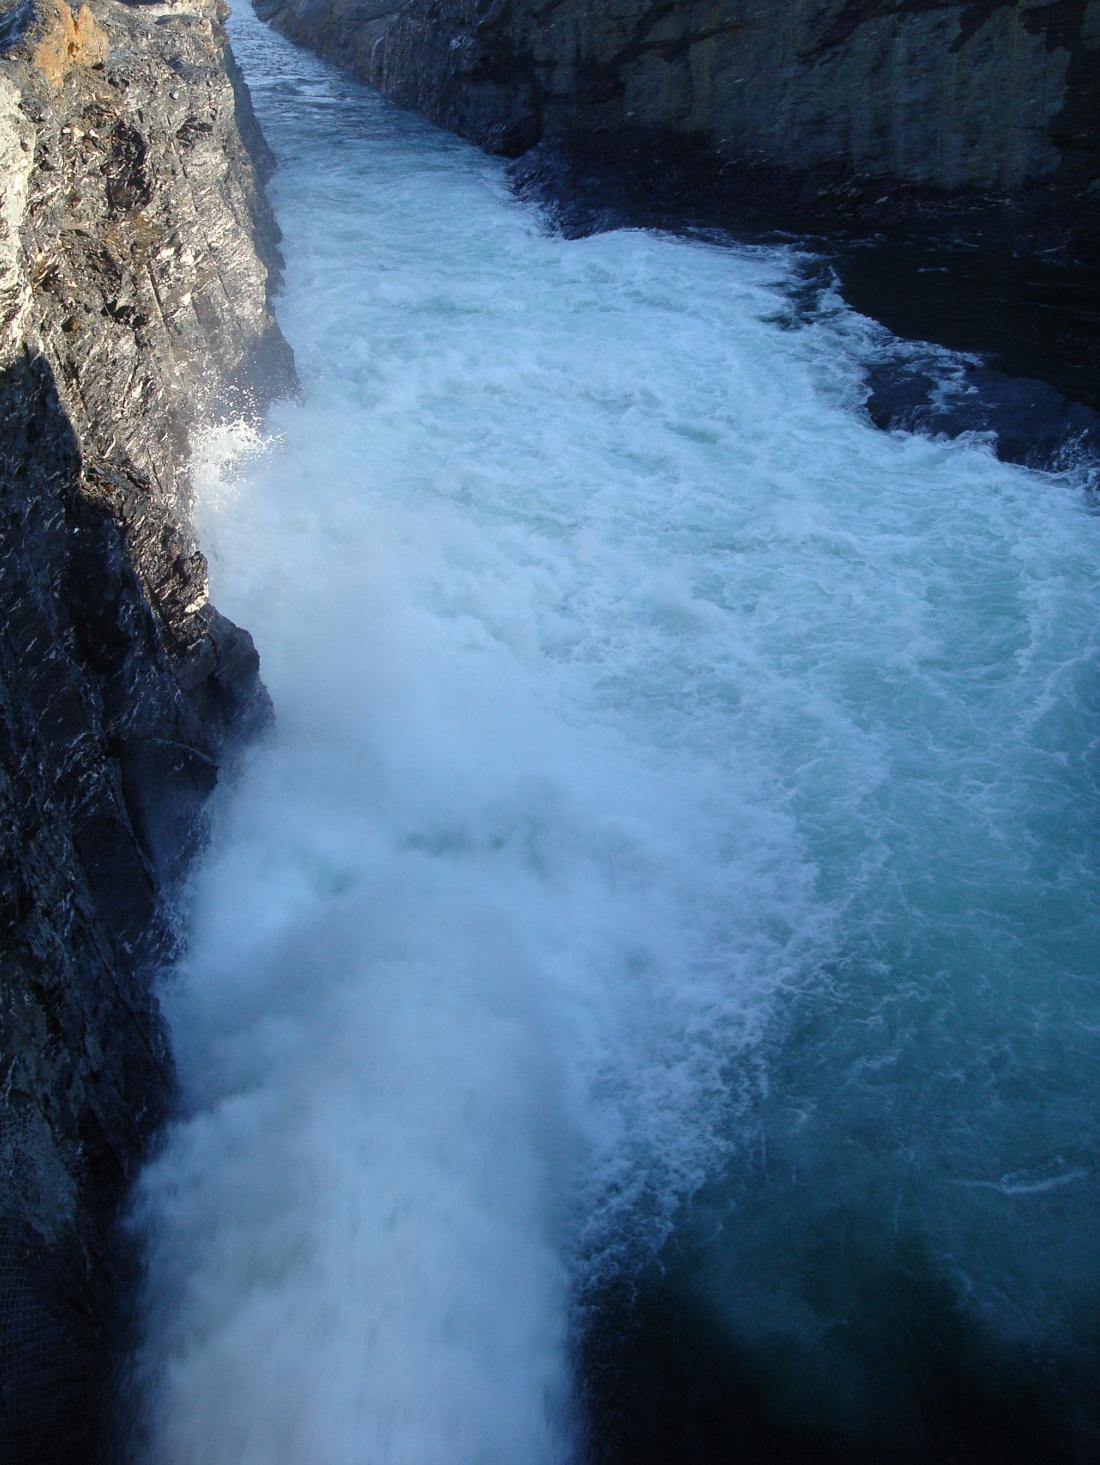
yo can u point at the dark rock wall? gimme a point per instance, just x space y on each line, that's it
810 103
136 254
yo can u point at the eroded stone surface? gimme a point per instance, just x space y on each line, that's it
63 39
136 256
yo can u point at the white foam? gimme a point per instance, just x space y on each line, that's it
605 638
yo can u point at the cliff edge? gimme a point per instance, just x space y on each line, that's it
137 254
860 112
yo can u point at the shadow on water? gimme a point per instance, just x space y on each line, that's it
898 1371
844 1295
1028 327
1028 318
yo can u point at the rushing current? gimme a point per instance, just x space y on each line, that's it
641 997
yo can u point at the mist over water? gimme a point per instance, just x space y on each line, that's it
677 841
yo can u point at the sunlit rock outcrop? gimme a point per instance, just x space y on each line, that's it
136 256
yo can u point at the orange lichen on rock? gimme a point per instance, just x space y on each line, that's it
69 40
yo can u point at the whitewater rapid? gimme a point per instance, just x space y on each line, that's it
675 780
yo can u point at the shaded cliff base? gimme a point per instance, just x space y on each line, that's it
961 274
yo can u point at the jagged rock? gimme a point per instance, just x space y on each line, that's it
869 111
136 257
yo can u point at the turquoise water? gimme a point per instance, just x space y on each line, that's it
672 872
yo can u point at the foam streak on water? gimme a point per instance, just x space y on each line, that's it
628 682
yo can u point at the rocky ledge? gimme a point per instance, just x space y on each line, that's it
982 113
137 254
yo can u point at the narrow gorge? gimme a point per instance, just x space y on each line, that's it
874 110
944 155
622 988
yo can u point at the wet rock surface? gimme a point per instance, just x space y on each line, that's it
136 258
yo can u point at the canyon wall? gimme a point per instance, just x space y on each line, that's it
136 258
857 110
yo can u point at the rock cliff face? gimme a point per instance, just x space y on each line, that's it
862 110
136 255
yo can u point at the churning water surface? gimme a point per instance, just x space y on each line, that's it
648 976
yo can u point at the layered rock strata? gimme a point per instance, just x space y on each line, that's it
136 258
864 111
